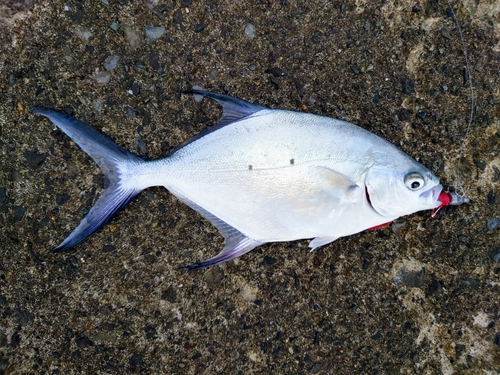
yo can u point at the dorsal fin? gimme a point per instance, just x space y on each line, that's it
233 109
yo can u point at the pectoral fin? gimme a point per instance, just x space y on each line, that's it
337 184
320 241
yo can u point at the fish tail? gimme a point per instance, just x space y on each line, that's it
117 164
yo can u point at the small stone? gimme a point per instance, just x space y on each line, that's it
407 86
355 69
108 248
97 104
150 332
268 261
154 60
199 28
416 8
169 294
214 275
492 100
444 32
140 147
494 254
316 39
136 361
492 223
411 278
83 33
421 114
481 164
135 89
34 159
154 32
277 72
19 212
492 198
111 62
114 26
250 31
62 198
316 368
103 77
83 342
496 340
3 194
132 36
197 97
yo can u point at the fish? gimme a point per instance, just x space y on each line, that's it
264 175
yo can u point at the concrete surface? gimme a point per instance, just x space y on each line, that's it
419 297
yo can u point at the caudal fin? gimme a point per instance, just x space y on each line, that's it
113 161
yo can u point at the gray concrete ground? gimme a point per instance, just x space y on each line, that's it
420 296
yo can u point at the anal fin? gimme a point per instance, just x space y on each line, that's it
236 245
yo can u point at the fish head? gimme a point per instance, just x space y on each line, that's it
394 191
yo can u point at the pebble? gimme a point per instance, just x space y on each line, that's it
250 31
103 77
277 72
492 223
199 28
154 32
197 97
132 36
268 261
83 33
97 104
111 62
136 361
411 278
62 198
169 295
83 342
114 26
407 86
34 159
3 194
494 254
214 275
135 89
140 147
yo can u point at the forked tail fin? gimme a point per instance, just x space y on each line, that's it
115 162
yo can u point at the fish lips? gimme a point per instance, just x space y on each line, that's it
432 196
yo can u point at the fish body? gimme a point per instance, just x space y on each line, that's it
265 175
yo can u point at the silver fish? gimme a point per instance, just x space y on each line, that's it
264 175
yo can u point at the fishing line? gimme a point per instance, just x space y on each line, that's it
458 182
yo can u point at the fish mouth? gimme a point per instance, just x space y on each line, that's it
432 195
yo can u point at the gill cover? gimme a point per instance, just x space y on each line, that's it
394 193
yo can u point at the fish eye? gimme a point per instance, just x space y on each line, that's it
414 181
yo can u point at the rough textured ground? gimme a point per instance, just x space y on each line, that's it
420 296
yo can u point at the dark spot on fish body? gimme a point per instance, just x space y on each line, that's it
292 161
250 167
